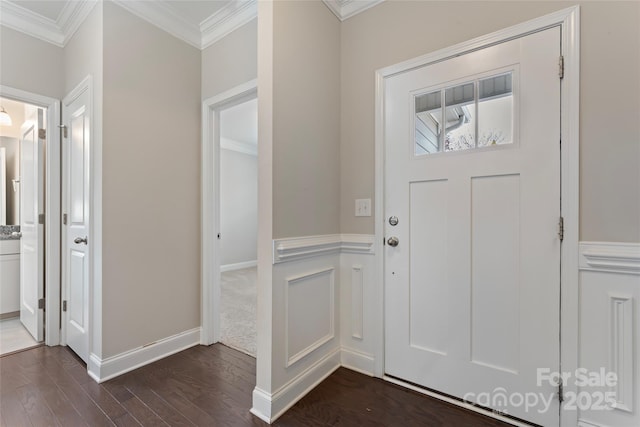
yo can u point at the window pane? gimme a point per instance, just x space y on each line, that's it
427 123
495 110
460 121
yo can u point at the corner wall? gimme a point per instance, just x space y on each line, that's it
298 131
151 185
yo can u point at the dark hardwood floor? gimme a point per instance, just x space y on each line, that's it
203 386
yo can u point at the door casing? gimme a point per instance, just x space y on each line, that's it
52 207
569 22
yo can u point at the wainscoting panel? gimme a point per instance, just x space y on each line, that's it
309 326
323 307
609 332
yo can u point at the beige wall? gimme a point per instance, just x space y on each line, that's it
231 61
151 183
306 119
395 31
30 64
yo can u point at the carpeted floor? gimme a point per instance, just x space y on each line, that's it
238 310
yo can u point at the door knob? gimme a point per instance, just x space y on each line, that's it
79 240
393 241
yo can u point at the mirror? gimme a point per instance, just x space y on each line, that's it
9 144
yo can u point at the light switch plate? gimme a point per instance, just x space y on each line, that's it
363 207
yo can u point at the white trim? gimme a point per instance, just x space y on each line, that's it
24 20
582 423
57 32
458 403
52 208
104 369
345 9
610 257
270 406
228 19
73 15
210 209
238 266
357 361
295 248
293 359
568 20
164 17
240 147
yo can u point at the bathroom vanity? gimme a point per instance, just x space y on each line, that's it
9 271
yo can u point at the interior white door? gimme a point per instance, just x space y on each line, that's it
76 191
472 173
32 241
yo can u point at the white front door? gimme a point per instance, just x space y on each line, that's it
31 207
472 174
75 194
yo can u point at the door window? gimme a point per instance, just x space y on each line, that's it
474 114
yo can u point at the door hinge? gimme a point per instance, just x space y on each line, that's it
561 229
41 303
561 67
42 133
64 219
41 219
560 391
64 130
64 305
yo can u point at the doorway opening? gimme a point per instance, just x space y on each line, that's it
230 219
22 250
238 199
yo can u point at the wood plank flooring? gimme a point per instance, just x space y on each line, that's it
202 386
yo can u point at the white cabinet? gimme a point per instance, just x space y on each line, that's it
9 276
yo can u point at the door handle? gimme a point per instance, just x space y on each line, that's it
393 241
79 240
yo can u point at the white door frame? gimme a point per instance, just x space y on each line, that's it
210 209
52 207
569 22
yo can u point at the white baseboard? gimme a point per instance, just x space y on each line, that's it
102 370
357 361
238 266
268 407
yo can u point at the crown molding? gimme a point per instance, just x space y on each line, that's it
20 19
226 20
73 15
162 16
345 9
158 13
57 32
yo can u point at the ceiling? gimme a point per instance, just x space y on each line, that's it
198 22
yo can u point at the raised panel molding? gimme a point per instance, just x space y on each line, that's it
357 296
310 246
610 257
621 350
323 278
